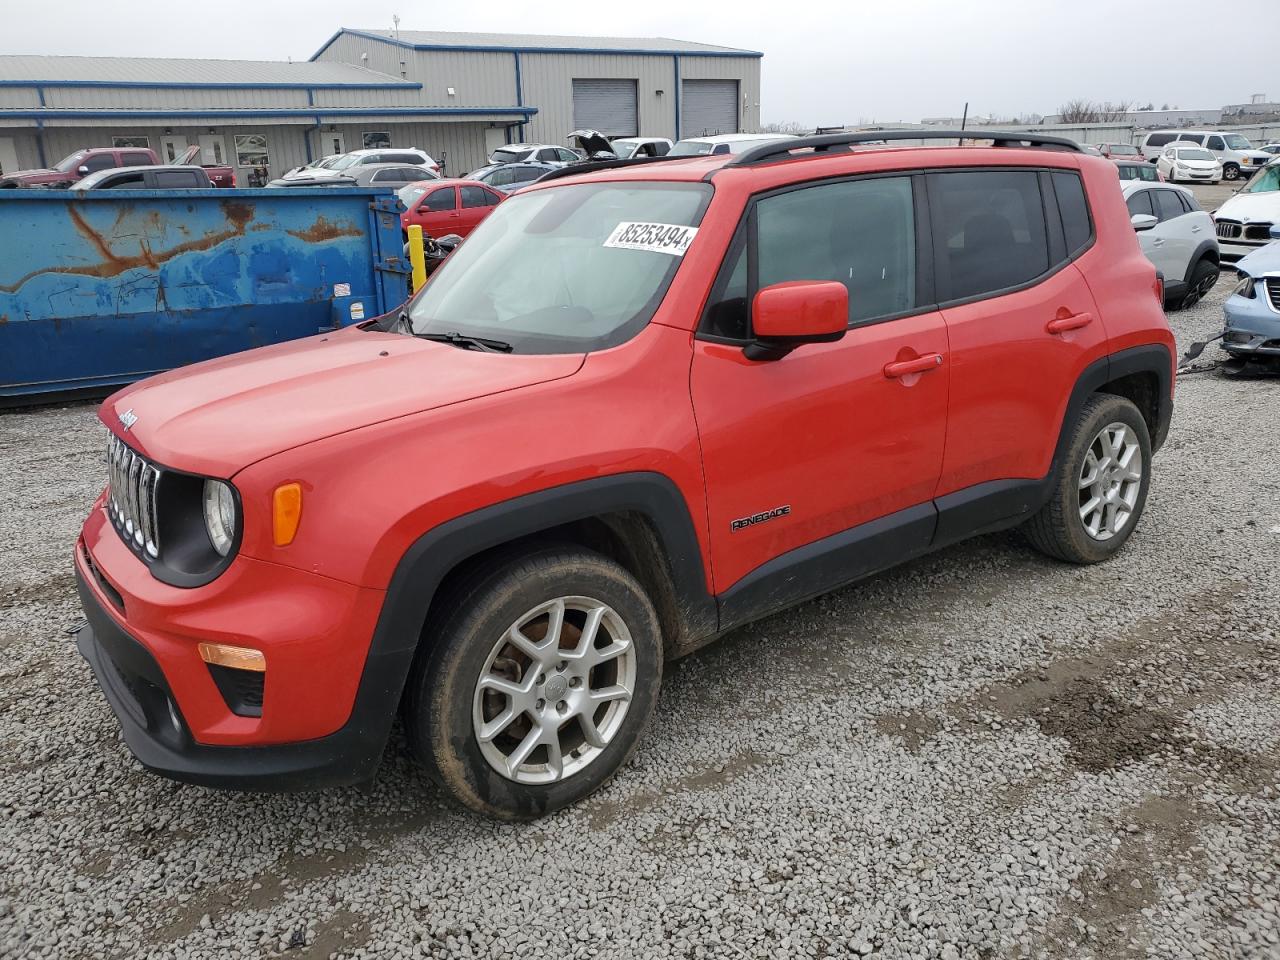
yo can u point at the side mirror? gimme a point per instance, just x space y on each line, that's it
787 315
1143 221
83 170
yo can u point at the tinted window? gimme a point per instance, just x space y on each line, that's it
860 233
1189 202
1074 211
1167 205
549 154
1215 143
135 159
1140 202
1160 139
101 161
727 313
122 181
476 197
568 156
991 225
1148 173
400 158
440 200
171 179
491 198
720 148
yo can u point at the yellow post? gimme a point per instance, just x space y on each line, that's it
417 258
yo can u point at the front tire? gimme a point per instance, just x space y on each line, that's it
1202 280
1230 172
1099 488
541 677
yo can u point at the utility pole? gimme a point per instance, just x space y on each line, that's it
965 119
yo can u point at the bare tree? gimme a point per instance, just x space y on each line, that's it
1090 111
786 126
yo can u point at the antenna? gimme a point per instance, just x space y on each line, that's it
395 19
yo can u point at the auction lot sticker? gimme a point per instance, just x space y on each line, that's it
656 237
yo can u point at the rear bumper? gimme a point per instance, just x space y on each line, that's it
158 735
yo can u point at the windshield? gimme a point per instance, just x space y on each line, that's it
621 147
342 163
68 164
1123 150
691 148
410 195
1265 180
1193 153
1236 142
565 270
509 155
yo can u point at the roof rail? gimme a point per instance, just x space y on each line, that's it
779 149
590 166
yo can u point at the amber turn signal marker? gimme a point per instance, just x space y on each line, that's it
237 658
286 512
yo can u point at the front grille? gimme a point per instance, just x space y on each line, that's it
1273 292
131 501
1244 232
1228 229
1258 231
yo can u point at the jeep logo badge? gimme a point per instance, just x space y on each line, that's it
128 419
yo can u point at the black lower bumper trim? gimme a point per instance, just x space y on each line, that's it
156 733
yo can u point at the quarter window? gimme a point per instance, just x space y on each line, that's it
1074 211
991 229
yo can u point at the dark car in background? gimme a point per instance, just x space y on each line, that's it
1138 170
172 177
1120 151
510 177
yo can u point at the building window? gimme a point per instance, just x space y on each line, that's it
376 139
142 143
251 150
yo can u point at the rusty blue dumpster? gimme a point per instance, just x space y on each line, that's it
101 288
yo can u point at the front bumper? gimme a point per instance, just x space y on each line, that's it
157 734
1252 327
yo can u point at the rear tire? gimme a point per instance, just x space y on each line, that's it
1099 488
522 706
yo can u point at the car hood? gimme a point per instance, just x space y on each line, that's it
1252 207
1263 262
592 141
217 417
40 172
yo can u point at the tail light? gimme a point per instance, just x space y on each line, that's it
1158 288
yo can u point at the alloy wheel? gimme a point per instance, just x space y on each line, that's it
1110 481
554 690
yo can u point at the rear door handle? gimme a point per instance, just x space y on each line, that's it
922 364
1073 322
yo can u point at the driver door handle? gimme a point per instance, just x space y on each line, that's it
922 364
1073 322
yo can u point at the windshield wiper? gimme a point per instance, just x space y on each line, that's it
403 320
458 340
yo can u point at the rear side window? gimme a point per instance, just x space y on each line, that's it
135 159
1140 203
1073 210
123 181
477 197
1167 204
1160 139
1149 173
989 231
101 161
1188 202
166 179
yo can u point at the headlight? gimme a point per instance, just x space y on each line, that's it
220 515
1244 287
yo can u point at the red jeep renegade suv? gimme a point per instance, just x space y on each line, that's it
644 403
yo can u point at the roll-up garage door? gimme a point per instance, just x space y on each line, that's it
708 107
606 105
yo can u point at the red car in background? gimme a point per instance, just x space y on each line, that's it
442 207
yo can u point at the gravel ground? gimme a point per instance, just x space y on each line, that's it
982 754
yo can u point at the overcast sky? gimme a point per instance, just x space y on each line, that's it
826 62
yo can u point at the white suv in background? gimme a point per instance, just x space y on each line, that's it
1236 154
1177 236
722 143
1186 161
346 164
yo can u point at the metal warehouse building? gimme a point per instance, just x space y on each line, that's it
456 95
